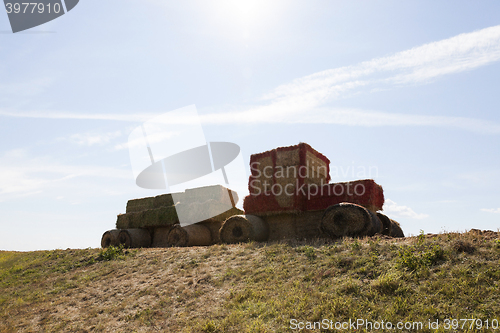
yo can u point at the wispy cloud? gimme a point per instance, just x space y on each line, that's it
401 211
23 175
90 139
303 100
420 64
491 210
42 114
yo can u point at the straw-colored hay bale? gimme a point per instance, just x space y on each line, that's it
396 230
214 227
210 209
110 238
191 235
216 193
160 237
133 238
347 219
289 157
242 228
303 225
386 224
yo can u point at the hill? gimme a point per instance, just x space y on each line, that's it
258 287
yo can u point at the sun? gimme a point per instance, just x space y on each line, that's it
247 18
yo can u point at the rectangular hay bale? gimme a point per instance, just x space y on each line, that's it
283 170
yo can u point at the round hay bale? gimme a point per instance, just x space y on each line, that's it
348 219
376 226
110 238
242 228
396 230
386 224
160 237
133 238
191 235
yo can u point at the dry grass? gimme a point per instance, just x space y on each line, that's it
253 287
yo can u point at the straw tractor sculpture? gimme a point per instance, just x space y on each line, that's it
290 198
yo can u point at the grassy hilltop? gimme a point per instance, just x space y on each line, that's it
254 287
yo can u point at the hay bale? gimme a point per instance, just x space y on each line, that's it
214 227
191 235
160 237
242 228
347 219
110 238
157 217
364 192
287 168
216 193
386 224
396 230
133 238
303 225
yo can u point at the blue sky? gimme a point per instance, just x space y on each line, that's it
409 89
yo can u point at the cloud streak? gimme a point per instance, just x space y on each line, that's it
491 210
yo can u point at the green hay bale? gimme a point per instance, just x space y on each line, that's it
164 200
396 230
191 235
110 238
158 217
122 221
347 219
386 224
242 228
134 238
160 237
137 205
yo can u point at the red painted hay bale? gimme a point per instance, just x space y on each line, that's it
133 238
191 235
386 224
396 230
287 168
110 238
347 219
242 228
364 192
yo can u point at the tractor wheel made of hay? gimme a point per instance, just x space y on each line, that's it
134 238
348 219
191 235
386 224
243 228
396 230
110 238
